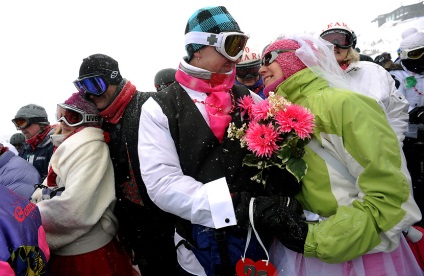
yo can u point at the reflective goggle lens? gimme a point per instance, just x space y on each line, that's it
70 117
415 53
94 85
247 72
234 44
272 56
21 123
338 38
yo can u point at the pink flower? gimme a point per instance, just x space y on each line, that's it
245 104
297 118
262 139
260 111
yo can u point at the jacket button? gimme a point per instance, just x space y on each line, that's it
227 220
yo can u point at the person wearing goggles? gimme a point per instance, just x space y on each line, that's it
368 78
247 71
33 122
142 224
183 133
77 198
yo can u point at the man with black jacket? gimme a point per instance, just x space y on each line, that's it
144 229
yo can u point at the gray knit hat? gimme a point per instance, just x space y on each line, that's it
35 112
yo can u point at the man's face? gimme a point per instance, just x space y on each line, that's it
105 99
209 59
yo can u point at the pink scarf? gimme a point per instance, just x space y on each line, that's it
218 104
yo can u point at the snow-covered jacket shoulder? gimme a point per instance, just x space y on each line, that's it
414 95
81 220
364 217
373 80
17 174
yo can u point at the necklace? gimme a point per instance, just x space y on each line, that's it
416 90
217 107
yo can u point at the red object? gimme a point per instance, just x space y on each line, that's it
418 248
251 268
110 259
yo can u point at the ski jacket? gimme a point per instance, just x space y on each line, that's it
360 218
374 81
414 94
17 174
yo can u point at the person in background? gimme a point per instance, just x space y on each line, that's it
76 199
23 245
190 166
411 77
368 78
16 173
144 229
32 120
164 78
385 60
247 71
18 141
354 232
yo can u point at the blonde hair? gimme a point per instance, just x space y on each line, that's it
352 56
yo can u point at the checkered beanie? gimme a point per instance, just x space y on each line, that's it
99 64
209 20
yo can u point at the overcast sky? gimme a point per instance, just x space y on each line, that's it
43 42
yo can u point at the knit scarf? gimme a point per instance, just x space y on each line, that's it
113 113
35 140
218 103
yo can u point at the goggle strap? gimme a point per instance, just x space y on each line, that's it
202 38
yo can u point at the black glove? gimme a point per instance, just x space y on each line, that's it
281 182
282 217
241 208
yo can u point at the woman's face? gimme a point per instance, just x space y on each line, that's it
66 130
341 54
271 73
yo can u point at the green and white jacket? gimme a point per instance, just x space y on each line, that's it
360 218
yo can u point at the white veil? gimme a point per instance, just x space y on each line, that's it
318 55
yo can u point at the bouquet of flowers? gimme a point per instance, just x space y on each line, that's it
276 135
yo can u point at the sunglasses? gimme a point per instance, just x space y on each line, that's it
245 73
229 44
73 116
23 123
415 53
339 38
95 85
272 56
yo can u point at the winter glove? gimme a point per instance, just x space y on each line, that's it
241 208
283 217
281 182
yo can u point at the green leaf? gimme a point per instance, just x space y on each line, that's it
297 167
284 153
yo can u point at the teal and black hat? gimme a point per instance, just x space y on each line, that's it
209 20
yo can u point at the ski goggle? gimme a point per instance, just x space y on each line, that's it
272 56
415 53
23 123
73 116
245 73
339 38
95 85
229 44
